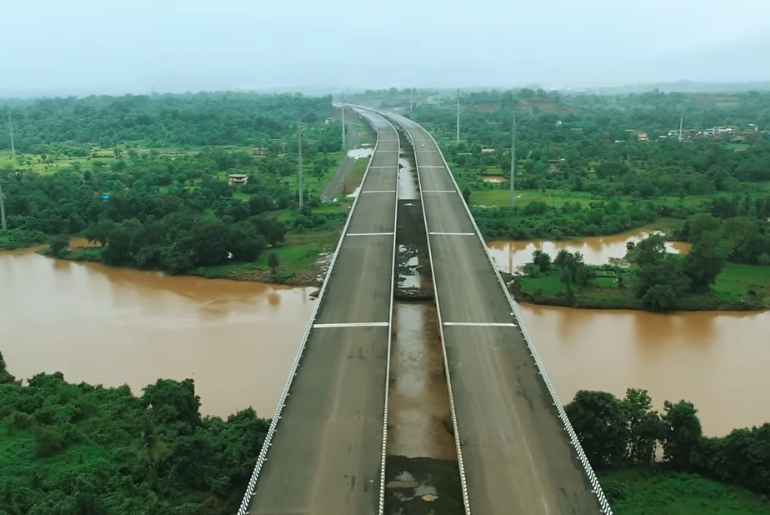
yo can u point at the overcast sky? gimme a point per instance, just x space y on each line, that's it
79 47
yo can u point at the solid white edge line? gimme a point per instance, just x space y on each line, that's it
439 191
267 442
370 234
574 441
378 191
381 500
451 234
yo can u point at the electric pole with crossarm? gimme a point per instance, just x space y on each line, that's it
513 159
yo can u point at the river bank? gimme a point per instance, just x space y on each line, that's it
611 285
737 288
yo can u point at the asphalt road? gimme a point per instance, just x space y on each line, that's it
516 455
326 456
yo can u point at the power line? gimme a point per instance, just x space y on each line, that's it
343 128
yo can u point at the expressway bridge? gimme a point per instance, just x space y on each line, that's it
517 452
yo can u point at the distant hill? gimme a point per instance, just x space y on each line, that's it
683 86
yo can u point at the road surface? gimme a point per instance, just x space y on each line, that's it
326 455
517 458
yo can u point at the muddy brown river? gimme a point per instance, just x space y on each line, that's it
118 326
596 250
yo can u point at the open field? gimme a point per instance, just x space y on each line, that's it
556 198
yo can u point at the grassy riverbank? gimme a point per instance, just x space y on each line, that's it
737 287
301 258
654 491
19 239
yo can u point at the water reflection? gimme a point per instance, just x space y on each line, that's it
598 250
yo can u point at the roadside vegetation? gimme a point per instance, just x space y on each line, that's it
146 180
697 474
82 449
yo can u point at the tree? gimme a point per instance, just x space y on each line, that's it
682 433
542 260
58 246
644 427
170 401
273 262
649 251
600 422
99 232
660 281
705 261
5 376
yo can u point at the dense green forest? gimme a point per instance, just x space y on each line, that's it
589 165
147 177
620 433
74 124
81 449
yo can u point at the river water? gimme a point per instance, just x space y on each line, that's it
596 250
118 326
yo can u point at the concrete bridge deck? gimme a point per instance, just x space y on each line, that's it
516 456
325 453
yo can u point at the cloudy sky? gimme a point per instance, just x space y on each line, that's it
54 47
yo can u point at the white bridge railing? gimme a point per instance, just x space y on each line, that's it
596 488
273 429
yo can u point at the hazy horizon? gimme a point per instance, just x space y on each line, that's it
84 47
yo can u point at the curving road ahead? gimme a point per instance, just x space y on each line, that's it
516 456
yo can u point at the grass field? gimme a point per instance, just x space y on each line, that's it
736 287
659 492
556 198
298 261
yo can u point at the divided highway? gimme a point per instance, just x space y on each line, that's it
325 451
516 455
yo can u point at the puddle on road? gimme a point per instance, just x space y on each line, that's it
407 181
419 400
360 153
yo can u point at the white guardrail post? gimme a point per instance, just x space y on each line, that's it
574 441
262 458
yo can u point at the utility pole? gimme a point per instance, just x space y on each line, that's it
457 136
513 159
3 224
411 100
343 128
681 126
10 132
301 171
